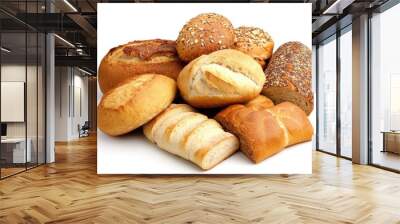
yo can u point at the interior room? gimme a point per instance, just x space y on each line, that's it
48 150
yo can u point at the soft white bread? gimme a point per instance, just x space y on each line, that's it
221 78
134 102
188 134
264 131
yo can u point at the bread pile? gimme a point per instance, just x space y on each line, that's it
211 66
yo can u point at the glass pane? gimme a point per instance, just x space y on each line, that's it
31 97
13 86
346 93
327 96
386 89
41 98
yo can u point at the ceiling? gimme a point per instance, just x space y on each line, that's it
76 22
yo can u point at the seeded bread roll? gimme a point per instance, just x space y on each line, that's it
221 78
288 76
139 57
254 42
204 34
134 102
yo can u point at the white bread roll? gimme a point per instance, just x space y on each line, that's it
221 78
188 134
134 102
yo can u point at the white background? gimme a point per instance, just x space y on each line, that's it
120 23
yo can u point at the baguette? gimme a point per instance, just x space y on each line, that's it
182 131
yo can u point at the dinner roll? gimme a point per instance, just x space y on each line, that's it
221 78
138 57
254 42
204 34
134 102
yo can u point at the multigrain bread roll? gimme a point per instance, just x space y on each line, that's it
204 34
264 131
134 102
255 42
188 134
139 57
221 78
288 76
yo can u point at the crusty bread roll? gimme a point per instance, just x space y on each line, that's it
221 78
138 57
188 134
264 131
260 102
204 34
254 42
134 102
288 76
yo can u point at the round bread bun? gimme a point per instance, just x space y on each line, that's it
204 34
134 102
221 78
138 57
254 42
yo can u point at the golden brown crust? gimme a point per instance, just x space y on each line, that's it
259 134
288 76
221 78
298 126
204 34
264 130
260 102
254 42
122 110
138 57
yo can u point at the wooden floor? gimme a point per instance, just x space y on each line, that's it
69 191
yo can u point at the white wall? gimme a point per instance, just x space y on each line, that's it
33 127
70 83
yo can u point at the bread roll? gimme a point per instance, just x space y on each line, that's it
265 132
138 57
134 102
255 42
288 76
188 134
260 102
204 34
221 78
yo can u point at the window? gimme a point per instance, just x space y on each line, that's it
385 89
327 95
346 92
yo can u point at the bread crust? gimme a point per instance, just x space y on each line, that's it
221 78
192 136
265 130
204 34
138 57
134 102
288 76
255 42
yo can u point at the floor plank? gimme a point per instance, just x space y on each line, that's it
70 191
